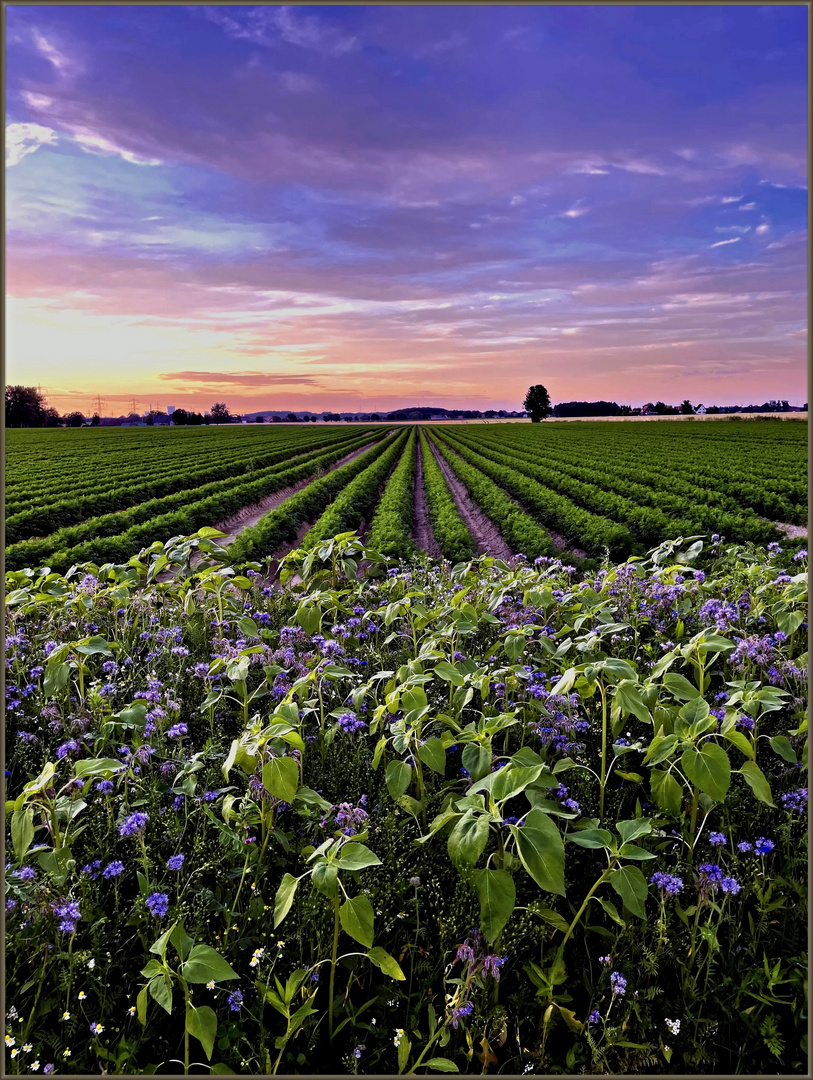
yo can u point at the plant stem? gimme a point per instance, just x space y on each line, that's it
186 1031
603 749
693 824
333 964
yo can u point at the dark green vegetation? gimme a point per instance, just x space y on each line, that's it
492 819
104 494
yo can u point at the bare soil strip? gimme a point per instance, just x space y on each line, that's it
422 532
250 515
793 532
484 532
559 541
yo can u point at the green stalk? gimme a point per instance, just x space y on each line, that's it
333 964
561 950
186 1031
693 824
603 749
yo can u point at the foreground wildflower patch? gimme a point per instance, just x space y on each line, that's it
497 817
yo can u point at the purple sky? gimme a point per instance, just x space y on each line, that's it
367 207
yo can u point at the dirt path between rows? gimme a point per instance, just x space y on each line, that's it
250 515
484 532
559 542
422 532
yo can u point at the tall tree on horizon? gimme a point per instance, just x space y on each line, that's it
537 403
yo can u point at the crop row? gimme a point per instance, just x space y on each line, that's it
647 524
283 522
240 458
40 522
517 527
390 531
34 551
450 532
358 500
580 527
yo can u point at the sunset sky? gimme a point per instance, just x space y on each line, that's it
370 207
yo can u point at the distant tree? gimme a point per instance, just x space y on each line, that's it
293 418
713 410
220 413
74 419
259 419
537 403
51 417
686 408
180 417
375 418
149 419
133 418
95 420
25 407
207 418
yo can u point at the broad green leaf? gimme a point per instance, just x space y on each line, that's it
680 687
56 679
630 884
356 856
741 741
592 838
782 747
281 778
476 760
757 781
497 895
356 917
633 851
182 942
695 709
544 911
141 1004
205 964
511 780
201 1023
161 992
708 769
468 839
284 898
632 829
382 959
22 831
628 696
666 791
442 1065
611 910
398 777
541 851
433 754
789 621
449 673
98 767
661 747
94 646
325 878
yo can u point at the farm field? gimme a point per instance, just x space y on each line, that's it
488 489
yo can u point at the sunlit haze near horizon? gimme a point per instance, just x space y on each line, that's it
363 208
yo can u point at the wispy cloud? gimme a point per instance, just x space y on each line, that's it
52 54
256 379
720 243
270 25
24 139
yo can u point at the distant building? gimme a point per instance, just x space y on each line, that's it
700 410
170 410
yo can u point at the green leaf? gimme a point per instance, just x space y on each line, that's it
442 1065
468 839
382 959
182 942
708 769
201 1023
757 781
497 895
205 964
630 884
161 992
611 910
356 917
542 851
449 673
694 710
633 851
22 831
97 767
666 791
93 646
632 829
741 741
628 696
141 1004
284 898
433 754
544 911
476 760
592 838
325 878
661 747
789 621
56 679
398 777
680 687
281 778
782 747
511 780
356 856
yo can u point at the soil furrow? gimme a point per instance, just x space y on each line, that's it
422 532
250 515
484 532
